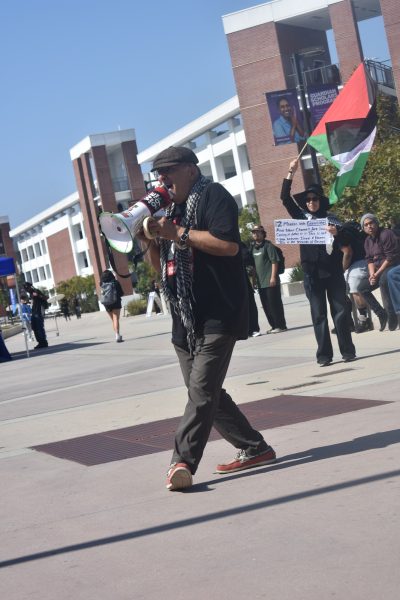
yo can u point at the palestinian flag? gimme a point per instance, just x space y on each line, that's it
346 132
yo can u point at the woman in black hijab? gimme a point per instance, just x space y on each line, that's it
323 272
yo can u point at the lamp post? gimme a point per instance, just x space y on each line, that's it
303 103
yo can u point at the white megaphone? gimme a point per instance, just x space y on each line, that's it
120 229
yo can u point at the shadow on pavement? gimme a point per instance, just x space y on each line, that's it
53 350
223 514
361 444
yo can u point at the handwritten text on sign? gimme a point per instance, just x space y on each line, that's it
296 231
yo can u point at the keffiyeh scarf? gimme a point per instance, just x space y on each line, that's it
183 301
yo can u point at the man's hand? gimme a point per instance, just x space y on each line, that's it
167 230
293 165
273 282
374 279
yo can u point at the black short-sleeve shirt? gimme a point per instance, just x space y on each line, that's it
219 284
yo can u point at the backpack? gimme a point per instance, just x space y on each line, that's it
108 293
354 234
281 259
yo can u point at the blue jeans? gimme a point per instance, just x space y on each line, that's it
393 279
386 297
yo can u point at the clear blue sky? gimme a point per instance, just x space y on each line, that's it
70 68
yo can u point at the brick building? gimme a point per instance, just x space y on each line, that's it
264 43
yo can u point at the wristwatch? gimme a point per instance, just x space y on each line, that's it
182 244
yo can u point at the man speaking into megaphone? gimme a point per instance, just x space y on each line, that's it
197 251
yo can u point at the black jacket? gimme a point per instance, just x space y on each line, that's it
315 260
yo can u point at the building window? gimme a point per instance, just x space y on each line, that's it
206 171
42 274
48 272
38 250
237 121
31 254
24 255
82 260
35 276
43 244
220 129
227 164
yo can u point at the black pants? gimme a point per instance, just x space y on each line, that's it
37 322
317 290
271 301
209 404
253 311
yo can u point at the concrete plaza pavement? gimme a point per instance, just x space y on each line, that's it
321 523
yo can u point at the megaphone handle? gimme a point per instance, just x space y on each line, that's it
146 228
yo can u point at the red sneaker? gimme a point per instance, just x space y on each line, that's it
245 461
179 476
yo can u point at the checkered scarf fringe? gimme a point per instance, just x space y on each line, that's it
183 302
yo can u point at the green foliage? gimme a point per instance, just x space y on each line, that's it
145 274
84 288
248 217
297 273
136 307
377 191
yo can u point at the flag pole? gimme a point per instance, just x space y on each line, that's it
302 150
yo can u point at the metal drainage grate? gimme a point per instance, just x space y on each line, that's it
158 436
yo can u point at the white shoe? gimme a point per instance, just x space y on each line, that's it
276 330
118 338
256 333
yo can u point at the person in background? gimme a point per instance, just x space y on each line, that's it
248 261
64 307
39 306
323 273
197 251
5 356
351 243
154 287
26 316
393 279
266 261
382 253
77 307
111 294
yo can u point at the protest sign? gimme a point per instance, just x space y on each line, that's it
301 231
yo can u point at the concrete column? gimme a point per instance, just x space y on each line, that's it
347 38
391 18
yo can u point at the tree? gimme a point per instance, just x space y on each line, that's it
84 288
248 217
377 191
145 274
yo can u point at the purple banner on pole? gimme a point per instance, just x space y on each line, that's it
286 117
320 97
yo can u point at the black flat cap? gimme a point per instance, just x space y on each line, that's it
174 155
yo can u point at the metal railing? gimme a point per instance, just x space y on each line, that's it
381 72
